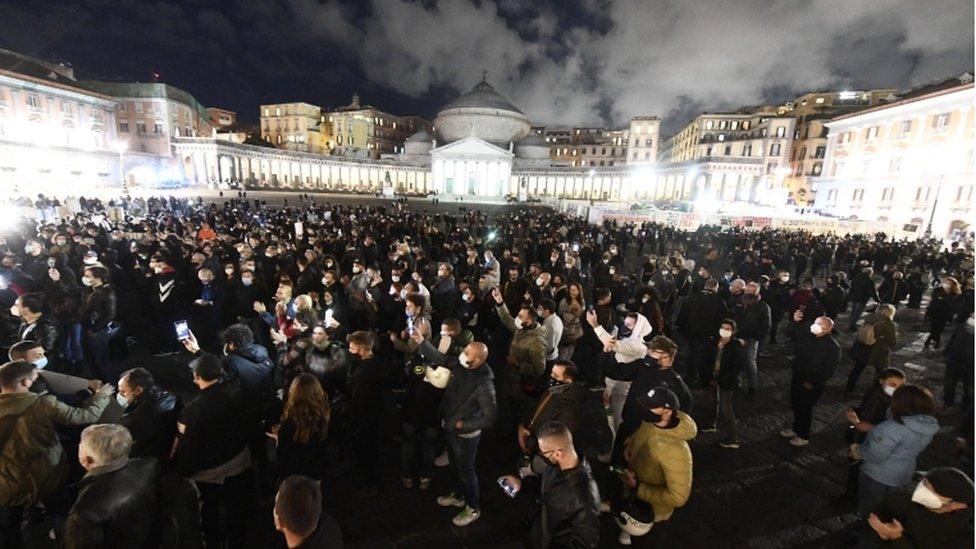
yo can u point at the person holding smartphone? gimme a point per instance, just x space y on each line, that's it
568 500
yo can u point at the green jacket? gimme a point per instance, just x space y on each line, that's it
661 462
32 462
528 348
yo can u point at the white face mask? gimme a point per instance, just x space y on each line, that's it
463 361
645 299
784 278
395 278
357 270
123 402
539 281
518 324
815 329
926 497
86 281
725 334
888 389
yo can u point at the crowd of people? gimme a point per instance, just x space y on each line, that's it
585 346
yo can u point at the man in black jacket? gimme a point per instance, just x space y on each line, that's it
862 291
699 320
298 515
37 324
656 370
753 320
117 497
569 501
212 451
469 406
816 354
364 391
150 414
97 316
560 402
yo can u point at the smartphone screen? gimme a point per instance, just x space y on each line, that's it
182 330
508 488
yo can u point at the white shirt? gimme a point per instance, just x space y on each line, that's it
552 332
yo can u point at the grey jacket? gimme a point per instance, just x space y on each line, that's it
469 396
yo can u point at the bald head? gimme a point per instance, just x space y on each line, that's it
477 354
826 324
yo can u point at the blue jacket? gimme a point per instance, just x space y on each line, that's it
890 449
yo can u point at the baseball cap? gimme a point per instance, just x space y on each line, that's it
659 397
952 483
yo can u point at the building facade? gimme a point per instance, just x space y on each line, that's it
366 132
149 115
644 140
221 118
812 111
296 127
910 162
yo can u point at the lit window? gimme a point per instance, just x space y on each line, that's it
34 102
277 111
774 149
781 131
708 124
904 127
819 100
138 106
941 122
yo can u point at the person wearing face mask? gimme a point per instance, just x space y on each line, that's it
937 514
149 413
815 357
468 310
526 359
753 319
468 407
97 316
417 322
552 328
602 278
443 294
168 303
778 298
728 360
33 464
207 311
561 401
659 464
893 289
878 355
364 392
36 324
492 268
872 411
890 450
699 320
568 513
514 289
35 260
958 355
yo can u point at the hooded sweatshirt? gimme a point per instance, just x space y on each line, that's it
631 347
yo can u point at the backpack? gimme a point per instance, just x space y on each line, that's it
865 334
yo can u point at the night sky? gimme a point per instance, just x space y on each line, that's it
568 62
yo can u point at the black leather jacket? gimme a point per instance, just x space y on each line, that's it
152 421
569 514
45 331
99 308
115 507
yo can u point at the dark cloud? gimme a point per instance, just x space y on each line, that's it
565 62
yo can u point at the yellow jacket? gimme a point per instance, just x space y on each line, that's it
662 464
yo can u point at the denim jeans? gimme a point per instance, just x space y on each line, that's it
464 453
752 368
426 439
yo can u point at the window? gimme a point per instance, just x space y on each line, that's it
124 126
858 195
780 131
278 139
747 150
817 167
277 111
838 167
745 124
66 110
871 134
634 156
832 195
894 166
965 194
708 151
941 122
157 128
722 124
266 111
819 100
122 107
903 128
709 124
734 125
728 150
647 156
803 153
921 194
888 194
140 127
34 102
820 152
647 142
721 137
774 149
138 106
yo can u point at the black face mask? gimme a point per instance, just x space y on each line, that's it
649 416
552 383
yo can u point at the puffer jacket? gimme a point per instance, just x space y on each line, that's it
250 368
661 462
115 507
469 396
32 462
891 448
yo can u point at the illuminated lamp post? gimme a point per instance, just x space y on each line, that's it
935 206
121 147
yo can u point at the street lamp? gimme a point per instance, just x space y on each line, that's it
935 206
121 147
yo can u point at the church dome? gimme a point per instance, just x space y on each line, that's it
482 113
532 146
420 137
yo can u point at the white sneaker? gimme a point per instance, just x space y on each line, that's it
466 517
450 500
787 433
623 538
442 460
798 442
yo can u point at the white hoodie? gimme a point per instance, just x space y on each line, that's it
632 347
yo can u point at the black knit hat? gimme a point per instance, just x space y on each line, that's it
951 483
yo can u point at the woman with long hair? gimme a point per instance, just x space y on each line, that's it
570 311
303 429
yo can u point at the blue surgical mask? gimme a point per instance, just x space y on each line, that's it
40 363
